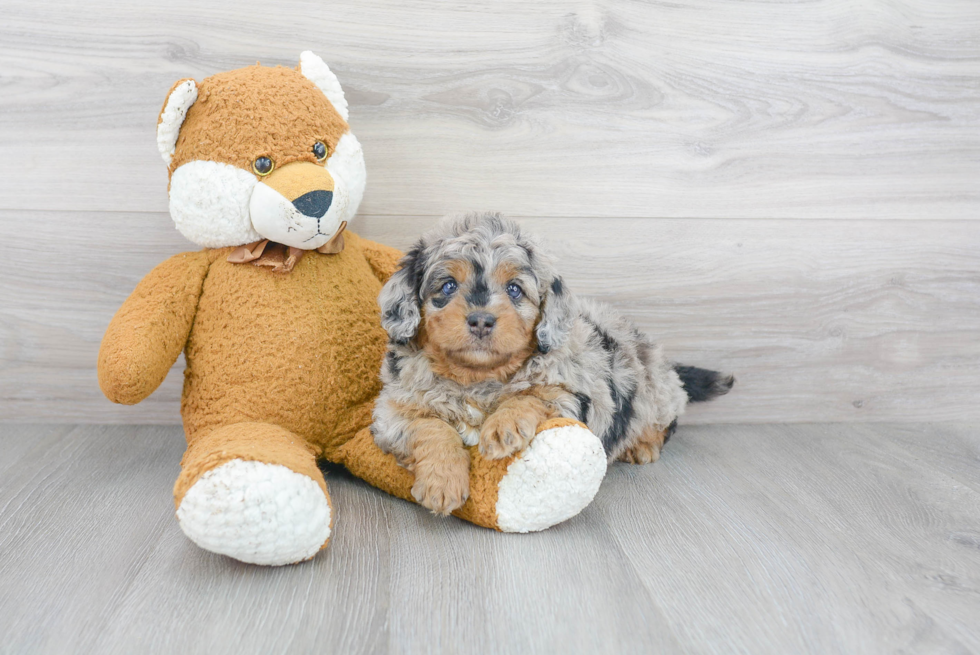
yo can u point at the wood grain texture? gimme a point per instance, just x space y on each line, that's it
814 533
819 320
696 108
761 539
69 528
672 152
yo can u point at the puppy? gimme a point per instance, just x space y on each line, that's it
486 342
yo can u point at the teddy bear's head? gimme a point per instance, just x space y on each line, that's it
261 153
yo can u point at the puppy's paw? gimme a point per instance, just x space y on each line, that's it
646 448
507 431
442 485
641 453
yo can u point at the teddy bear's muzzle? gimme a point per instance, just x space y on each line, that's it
298 205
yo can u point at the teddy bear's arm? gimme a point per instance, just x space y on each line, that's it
149 331
383 259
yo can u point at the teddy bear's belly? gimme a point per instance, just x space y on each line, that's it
301 350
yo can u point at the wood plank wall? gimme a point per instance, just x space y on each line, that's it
788 190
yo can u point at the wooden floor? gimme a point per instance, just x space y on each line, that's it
761 539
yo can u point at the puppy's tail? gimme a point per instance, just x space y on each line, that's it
702 384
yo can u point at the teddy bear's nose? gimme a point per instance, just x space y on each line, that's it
314 203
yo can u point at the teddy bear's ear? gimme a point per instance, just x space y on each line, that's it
179 100
315 70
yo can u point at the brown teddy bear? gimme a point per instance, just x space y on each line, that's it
278 320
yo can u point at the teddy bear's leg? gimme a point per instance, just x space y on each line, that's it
253 491
550 481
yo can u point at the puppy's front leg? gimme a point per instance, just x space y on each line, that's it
441 465
511 427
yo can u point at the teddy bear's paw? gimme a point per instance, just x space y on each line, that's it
257 513
552 481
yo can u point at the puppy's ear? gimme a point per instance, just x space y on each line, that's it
401 307
556 316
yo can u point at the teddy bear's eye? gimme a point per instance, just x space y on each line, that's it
263 166
320 150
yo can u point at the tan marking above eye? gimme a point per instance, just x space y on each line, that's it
459 270
505 273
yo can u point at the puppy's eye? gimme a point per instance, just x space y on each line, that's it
320 150
449 288
514 291
263 166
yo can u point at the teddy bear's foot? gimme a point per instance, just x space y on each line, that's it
255 511
552 480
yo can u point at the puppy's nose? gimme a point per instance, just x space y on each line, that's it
314 203
481 324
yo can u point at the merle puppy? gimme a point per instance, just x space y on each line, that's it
486 342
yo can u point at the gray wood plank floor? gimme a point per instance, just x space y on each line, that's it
761 539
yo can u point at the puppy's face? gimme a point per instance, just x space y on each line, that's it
479 323
478 298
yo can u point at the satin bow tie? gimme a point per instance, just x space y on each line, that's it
281 258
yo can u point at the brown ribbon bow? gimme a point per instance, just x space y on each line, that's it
281 258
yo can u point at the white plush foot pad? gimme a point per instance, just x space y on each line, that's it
557 476
257 513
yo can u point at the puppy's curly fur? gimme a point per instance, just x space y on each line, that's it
486 342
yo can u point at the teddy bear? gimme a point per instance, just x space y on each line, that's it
277 317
